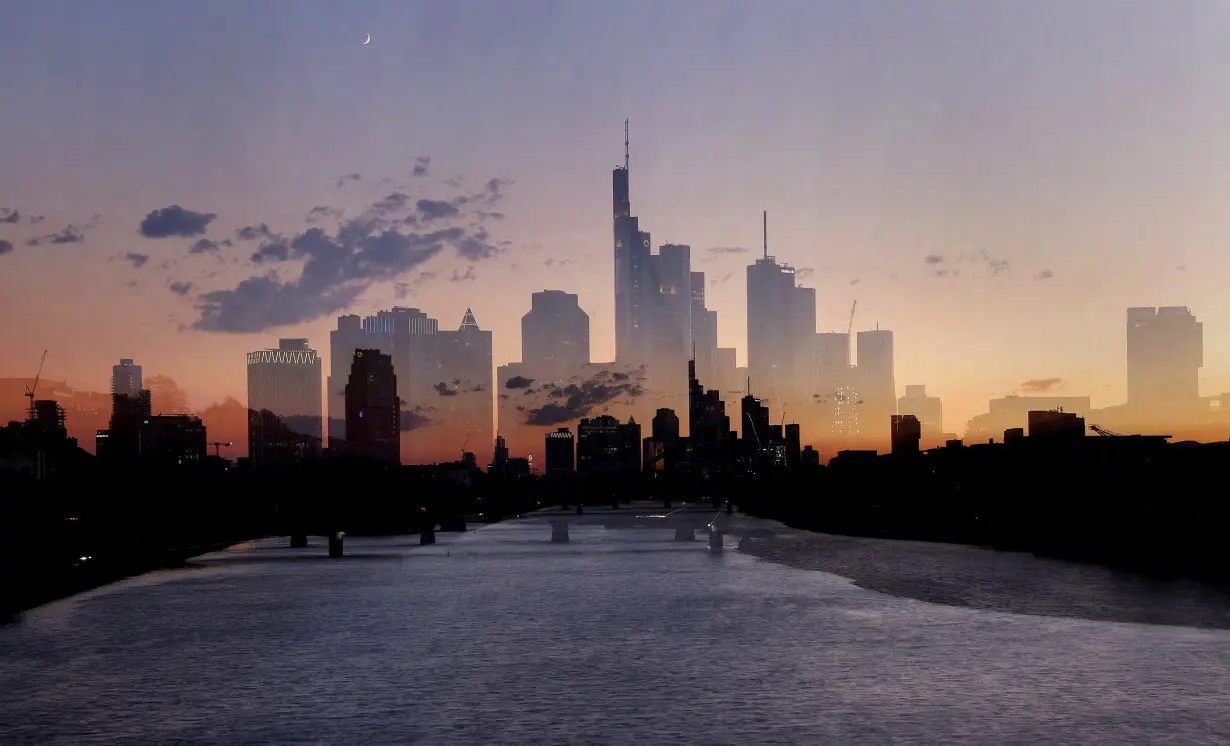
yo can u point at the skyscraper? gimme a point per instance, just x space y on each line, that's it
555 334
284 404
876 383
633 281
1165 351
126 378
781 322
464 387
373 410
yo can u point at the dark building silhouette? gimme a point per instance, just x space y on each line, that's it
605 446
560 454
555 334
285 425
810 457
120 444
906 432
1165 351
373 410
704 335
634 288
708 426
1054 425
173 439
499 458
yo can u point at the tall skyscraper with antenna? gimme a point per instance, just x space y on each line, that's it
634 288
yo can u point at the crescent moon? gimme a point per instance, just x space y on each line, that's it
368 40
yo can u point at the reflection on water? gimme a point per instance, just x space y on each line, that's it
500 636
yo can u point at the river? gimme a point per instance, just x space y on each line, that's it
620 637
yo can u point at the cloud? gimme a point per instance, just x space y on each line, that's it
70 234
934 259
337 267
322 212
722 278
415 418
181 288
518 382
434 209
855 281
484 215
132 284
1045 274
469 276
994 266
9 215
175 221
421 165
577 400
138 260
256 233
347 178
1041 385
36 219
716 250
1181 268
205 245
443 389
278 251
402 289
5 247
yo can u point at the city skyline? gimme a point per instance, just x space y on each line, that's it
996 254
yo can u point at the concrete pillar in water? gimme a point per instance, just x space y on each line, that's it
715 539
559 532
666 504
684 533
335 544
579 511
427 535
298 541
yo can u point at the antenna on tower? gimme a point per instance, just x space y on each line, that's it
626 151
765 234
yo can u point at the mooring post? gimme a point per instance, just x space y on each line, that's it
335 544
298 541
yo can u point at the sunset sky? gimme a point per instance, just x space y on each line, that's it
1059 161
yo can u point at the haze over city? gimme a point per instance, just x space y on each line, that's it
995 183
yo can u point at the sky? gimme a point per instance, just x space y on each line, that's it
995 181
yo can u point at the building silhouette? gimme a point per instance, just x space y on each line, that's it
555 334
284 405
463 386
560 454
126 378
704 334
876 383
1165 351
927 409
906 432
781 328
633 276
373 409
605 446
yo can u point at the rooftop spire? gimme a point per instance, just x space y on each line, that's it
468 323
765 234
626 150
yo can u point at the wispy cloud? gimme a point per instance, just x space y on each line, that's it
137 260
1041 385
70 234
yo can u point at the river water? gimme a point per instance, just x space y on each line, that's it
618 637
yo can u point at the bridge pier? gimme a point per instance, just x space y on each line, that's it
715 539
579 510
335 544
684 533
298 541
427 535
559 532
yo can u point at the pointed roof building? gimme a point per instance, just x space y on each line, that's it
468 324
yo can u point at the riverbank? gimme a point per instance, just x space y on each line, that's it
994 579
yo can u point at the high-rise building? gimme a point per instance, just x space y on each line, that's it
284 404
633 274
1165 351
781 322
126 378
373 410
560 452
605 446
463 385
704 335
906 431
876 384
927 409
555 334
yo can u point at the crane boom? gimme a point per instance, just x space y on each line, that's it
30 390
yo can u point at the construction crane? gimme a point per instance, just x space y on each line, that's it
34 387
464 443
850 326
1104 432
218 446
